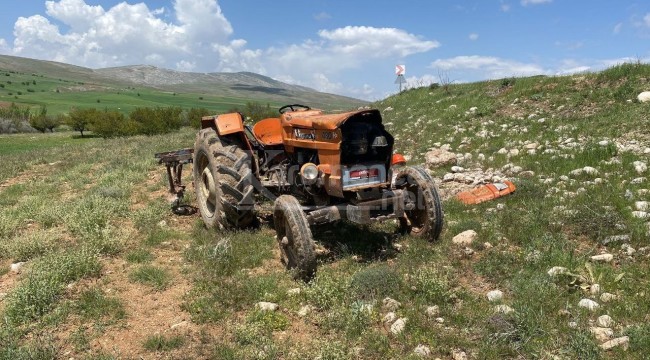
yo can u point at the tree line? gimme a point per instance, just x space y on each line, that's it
112 123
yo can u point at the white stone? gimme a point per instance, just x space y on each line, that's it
495 295
590 170
457 169
573 324
458 354
440 320
17 267
588 304
398 326
178 325
642 205
601 333
305 310
162 224
465 238
389 318
440 157
422 351
557 270
391 304
604 143
605 321
602 258
644 96
502 151
640 166
473 109
641 214
513 152
607 297
531 146
293 292
621 341
433 311
503 309
390 108
266 306
594 289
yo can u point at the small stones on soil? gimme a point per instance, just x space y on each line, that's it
440 320
601 333
293 292
605 321
389 318
495 295
391 304
602 258
503 309
588 304
305 310
458 354
607 297
465 238
433 311
422 351
557 270
266 306
621 341
594 289
17 267
398 326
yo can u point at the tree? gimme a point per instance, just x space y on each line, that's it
109 123
39 120
81 119
194 116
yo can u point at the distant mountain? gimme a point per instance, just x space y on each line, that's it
241 85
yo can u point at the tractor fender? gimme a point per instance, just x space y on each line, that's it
225 124
229 126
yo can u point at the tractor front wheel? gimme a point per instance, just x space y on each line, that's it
294 237
423 217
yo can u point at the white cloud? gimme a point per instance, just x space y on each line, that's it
75 13
4 48
618 28
473 36
487 67
195 35
375 42
534 2
505 7
646 19
322 16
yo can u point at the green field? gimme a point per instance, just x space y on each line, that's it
59 96
111 273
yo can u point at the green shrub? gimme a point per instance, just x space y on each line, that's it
376 282
150 275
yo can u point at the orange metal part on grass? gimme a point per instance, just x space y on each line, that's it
486 192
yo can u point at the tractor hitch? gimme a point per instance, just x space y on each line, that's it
174 161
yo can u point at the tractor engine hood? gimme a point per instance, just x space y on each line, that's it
316 119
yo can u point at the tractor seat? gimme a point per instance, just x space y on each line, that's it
268 131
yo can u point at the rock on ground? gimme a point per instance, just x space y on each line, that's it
621 341
398 326
465 238
495 295
644 97
601 334
422 351
440 157
391 304
433 311
605 321
588 304
266 306
602 258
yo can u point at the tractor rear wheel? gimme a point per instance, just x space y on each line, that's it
294 237
425 218
223 182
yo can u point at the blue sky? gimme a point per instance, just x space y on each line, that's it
344 47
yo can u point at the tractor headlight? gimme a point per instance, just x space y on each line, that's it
309 173
380 141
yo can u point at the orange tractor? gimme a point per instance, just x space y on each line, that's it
316 168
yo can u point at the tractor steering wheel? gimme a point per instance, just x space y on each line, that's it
283 109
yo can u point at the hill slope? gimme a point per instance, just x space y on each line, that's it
110 273
61 86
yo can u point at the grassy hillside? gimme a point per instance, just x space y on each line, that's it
110 273
61 86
